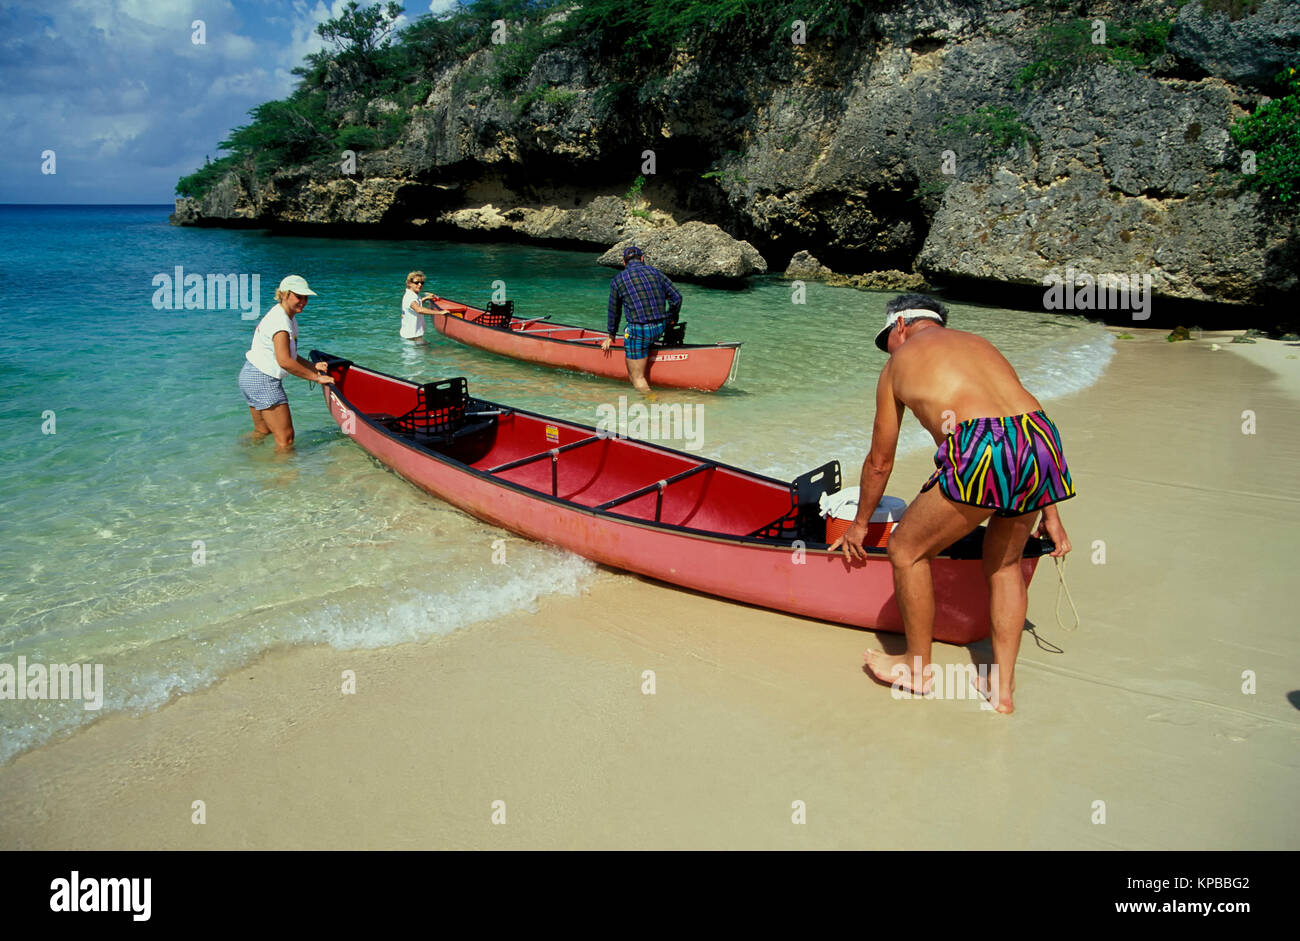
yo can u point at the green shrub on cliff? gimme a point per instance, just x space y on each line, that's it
197 184
1272 133
1061 49
284 133
646 36
998 126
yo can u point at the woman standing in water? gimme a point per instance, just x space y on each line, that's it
413 313
274 355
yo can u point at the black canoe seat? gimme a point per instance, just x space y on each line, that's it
444 414
674 335
439 408
497 315
803 519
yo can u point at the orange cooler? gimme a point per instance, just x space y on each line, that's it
841 507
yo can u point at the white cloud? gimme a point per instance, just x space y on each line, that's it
234 46
166 14
118 89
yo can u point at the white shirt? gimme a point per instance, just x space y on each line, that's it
412 323
262 353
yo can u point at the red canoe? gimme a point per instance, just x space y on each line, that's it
537 340
644 508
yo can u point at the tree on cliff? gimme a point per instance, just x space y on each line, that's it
358 35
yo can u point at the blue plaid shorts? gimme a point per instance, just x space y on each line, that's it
260 390
639 336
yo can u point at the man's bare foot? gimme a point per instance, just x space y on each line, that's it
896 671
1000 699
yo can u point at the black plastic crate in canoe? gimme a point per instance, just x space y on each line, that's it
439 409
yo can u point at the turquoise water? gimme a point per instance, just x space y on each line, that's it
147 474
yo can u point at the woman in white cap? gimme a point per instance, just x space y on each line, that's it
274 355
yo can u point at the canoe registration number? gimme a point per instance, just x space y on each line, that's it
670 357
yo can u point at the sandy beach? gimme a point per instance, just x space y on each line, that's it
1141 708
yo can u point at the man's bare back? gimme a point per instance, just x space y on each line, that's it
941 370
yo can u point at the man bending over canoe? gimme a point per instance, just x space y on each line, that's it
644 291
999 459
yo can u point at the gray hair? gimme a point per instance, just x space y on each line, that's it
917 302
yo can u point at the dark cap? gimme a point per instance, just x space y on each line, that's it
631 252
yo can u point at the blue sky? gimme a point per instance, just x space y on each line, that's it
126 99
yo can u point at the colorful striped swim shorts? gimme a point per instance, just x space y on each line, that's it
1010 465
260 390
639 337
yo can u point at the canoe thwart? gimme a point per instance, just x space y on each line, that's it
660 486
541 454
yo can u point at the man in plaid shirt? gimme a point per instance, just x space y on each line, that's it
644 291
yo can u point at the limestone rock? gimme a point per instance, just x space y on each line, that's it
1248 50
603 220
696 251
804 265
881 281
187 212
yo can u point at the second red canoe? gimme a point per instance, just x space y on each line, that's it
537 340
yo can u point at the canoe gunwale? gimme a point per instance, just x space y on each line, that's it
720 345
540 335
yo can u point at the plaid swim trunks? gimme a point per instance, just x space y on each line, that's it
639 337
1011 465
260 390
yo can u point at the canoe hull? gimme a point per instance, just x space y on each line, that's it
702 367
806 581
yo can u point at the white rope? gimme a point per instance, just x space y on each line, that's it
1060 573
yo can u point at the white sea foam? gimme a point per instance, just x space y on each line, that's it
462 597
416 615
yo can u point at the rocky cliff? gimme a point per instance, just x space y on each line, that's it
917 144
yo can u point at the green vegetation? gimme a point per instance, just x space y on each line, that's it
346 92
557 97
1273 134
1061 49
997 125
644 37
634 191
927 189
730 176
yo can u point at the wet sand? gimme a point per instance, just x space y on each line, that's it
1142 707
